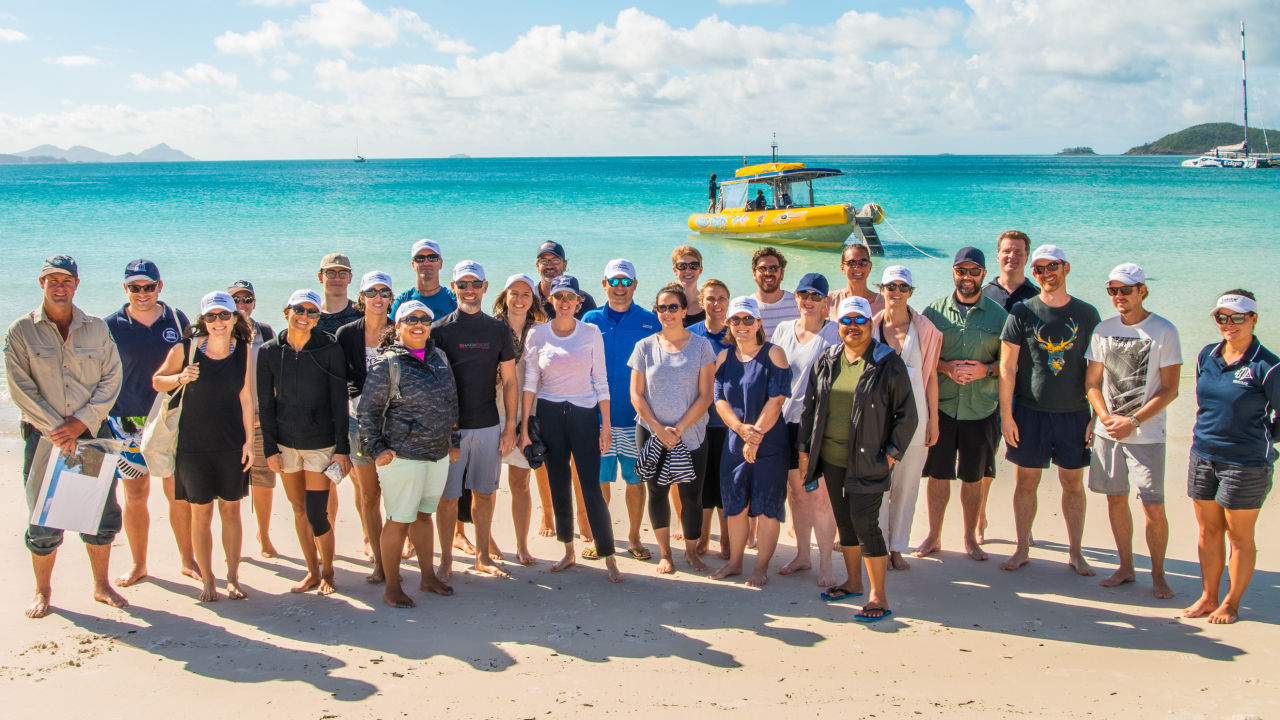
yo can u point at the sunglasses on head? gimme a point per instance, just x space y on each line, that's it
149 287
1232 318
415 320
897 287
668 308
691 265
971 272
860 262
809 295
1125 290
221 315
469 284
245 299
304 310
746 321
624 282
372 293
854 320
1049 267
426 258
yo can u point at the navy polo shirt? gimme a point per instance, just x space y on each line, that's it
1236 413
142 352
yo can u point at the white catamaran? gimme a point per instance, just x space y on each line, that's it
1238 155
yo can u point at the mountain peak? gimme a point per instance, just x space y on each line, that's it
80 153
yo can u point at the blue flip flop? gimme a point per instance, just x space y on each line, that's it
830 595
861 617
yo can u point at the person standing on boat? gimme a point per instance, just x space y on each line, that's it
426 259
1011 286
713 193
262 482
622 324
1044 413
552 263
715 302
774 304
335 277
855 263
686 263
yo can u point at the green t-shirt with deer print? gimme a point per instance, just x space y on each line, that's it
1051 360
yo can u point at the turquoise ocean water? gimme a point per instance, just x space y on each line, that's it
1197 232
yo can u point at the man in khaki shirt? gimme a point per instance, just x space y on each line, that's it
64 374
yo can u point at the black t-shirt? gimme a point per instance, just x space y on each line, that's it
475 343
330 322
1051 362
1006 299
695 318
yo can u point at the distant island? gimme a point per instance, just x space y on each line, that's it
1081 150
1199 139
82 154
459 156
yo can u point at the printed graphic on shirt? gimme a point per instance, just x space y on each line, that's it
1243 376
1127 367
1057 348
171 335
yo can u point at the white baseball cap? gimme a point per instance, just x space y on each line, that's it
374 278
620 267
896 273
305 295
425 244
744 304
410 307
1236 303
854 305
521 277
468 267
1127 274
217 300
1048 252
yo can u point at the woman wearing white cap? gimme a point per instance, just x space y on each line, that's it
751 384
919 343
517 305
1232 453
360 340
302 405
215 430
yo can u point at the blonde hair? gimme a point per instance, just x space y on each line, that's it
685 250
702 291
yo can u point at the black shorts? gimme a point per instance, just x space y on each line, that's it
1233 487
965 449
1044 437
793 449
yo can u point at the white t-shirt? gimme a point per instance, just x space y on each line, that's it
1131 357
773 314
566 369
801 359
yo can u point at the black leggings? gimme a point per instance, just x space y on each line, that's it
857 514
571 430
690 494
714 448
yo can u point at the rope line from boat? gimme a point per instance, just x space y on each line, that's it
905 240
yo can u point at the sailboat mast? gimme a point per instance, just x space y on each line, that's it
1244 85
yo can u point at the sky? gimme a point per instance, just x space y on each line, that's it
286 79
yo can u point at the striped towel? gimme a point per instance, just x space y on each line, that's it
665 466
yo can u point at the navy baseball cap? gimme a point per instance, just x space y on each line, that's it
970 254
553 247
565 282
60 264
141 270
813 282
241 286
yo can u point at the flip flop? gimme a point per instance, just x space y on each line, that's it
865 618
640 553
838 593
590 554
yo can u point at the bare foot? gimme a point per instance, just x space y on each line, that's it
376 577
234 591
327 587
1202 607
1015 561
1160 588
310 582
524 557
1080 565
1224 615
566 562
368 550
430 584
751 543
758 578
208 593
463 545
268 550
724 551
665 567
727 571
397 598
974 548
192 571
491 569
897 562
445 571
39 607
695 562
107 595
494 551
982 531
1118 578
611 565
930 546
408 551
677 535
136 575
826 577
796 565
703 544
547 530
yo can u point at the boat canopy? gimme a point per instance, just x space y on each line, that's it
779 173
1238 147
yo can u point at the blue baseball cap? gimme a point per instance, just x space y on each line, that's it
972 255
814 282
64 264
141 270
565 282
553 247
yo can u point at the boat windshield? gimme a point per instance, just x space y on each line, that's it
797 194
733 195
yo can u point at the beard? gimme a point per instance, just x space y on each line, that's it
968 289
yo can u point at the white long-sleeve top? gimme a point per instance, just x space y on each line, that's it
566 369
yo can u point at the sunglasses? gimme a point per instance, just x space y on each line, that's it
469 284
1125 290
669 308
371 293
971 272
415 320
768 269
855 320
810 295
1233 318
426 258
897 287
245 299
857 263
337 273
694 265
1046 268
223 315
747 321
149 287
565 296
304 310
550 260
624 282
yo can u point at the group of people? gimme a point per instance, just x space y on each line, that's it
832 402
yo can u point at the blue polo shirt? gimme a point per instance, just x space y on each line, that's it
142 352
621 332
1236 406
441 304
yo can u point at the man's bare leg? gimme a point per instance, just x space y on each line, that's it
446 518
1212 547
482 513
767 531
1122 531
937 494
1024 514
801 522
1073 506
232 544
137 524
261 498
392 540
202 545
635 497
1244 555
99 561
987 482
521 512
180 521
423 535
737 547
1157 546
43 567
970 505
460 541
295 486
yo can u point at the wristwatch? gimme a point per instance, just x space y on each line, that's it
1136 422
992 369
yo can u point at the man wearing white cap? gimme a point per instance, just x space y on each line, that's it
426 260
622 324
336 309
1134 362
479 348
1044 414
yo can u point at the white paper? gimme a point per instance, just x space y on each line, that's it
70 498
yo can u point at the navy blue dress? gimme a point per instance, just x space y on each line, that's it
760 488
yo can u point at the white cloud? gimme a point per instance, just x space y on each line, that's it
198 74
73 60
349 24
254 43
11 36
277 3
281 75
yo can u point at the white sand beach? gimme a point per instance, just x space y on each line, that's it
966 639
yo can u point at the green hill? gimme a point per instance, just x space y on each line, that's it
1202 138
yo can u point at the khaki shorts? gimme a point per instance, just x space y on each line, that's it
410 487
293 461
259 475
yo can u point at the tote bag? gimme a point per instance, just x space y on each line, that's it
160 435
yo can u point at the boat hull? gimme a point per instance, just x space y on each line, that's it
1209 161
825 226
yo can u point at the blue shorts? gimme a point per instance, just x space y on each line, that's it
1045 437
621 457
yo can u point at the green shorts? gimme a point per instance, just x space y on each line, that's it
410 487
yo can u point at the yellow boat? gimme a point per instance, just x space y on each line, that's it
782 210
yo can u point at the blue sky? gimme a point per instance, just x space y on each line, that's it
289 79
